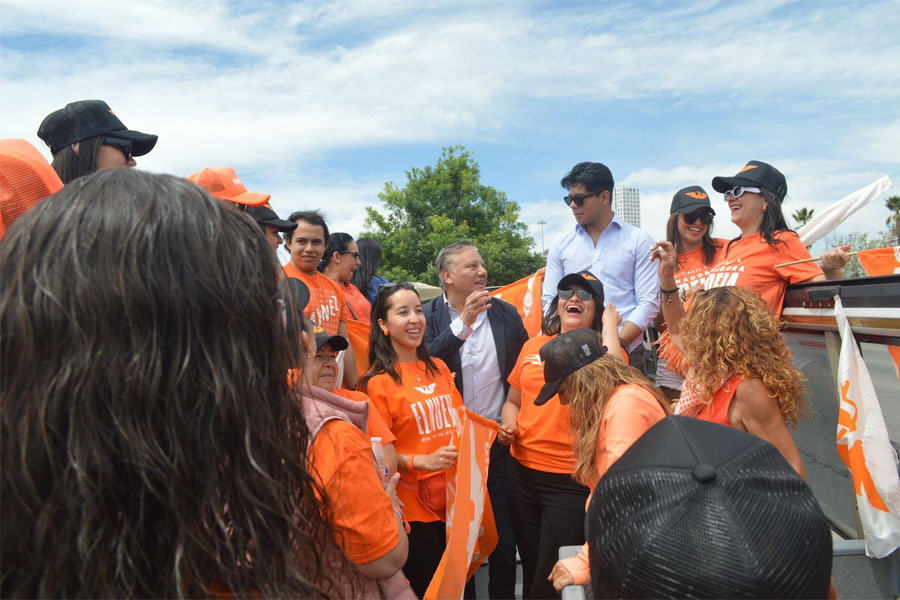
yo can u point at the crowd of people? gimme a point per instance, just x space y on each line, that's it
183 416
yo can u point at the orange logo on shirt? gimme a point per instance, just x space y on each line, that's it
697 195
747 168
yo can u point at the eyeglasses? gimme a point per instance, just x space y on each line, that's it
704 216
578 200
123 146
583 295
353 254
739 191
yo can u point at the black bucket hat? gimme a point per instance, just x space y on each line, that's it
698 510
754 174
85 119
564 355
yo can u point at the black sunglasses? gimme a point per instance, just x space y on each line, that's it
353 254
123 146
583 295
578 200
704 216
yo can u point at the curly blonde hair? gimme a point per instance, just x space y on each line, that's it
589 389
730 330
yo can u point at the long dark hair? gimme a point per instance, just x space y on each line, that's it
337 242
369 261
773 221
382 357
550 324
70 165
708 244
150 444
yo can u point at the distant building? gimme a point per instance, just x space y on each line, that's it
626 203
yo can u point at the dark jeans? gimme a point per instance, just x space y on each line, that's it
502 561
426 547
547 511
638 359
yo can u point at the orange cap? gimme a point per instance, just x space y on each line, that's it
223 183
26 178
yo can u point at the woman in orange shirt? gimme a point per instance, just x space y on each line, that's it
612 405
546 505
340 260
690 231
418 400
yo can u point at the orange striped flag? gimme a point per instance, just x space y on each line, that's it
525 295
471 532
880 261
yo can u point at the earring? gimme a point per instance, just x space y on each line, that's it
765 207
386 332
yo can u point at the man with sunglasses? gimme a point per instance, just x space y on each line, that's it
616 252
87 136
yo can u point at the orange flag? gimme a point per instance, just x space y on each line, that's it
880 261
525 295
471 532
358 332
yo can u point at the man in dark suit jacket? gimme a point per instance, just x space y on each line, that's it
479 338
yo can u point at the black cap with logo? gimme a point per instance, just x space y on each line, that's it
754 174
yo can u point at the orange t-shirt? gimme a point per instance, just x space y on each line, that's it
376 426
544 439
420 412
692 271
341 460
326 299
629 413
750 262
717 410
355 300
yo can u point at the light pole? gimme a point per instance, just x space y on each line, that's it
542 223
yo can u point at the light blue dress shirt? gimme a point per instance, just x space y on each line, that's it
620 260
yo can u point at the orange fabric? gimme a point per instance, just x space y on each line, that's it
26 178
377 427
223 183
341 460
358 336
525 295
543 441
420 412
895 356
471 531
326 299
717 410
355 300
630 411
750 264
880 261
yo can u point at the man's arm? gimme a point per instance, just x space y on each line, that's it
646 290
552 275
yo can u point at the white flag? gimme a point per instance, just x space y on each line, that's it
828 220
864 446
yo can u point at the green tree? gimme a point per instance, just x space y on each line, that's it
803 215
443 204
893 221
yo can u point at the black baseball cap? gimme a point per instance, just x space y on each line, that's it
337 342
87 119
754 174
695 509
585 279
564 355
689 199
264 215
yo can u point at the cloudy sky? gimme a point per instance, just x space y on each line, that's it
321 102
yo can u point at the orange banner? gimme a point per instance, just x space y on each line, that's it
525 295
880 261
471 532
358 332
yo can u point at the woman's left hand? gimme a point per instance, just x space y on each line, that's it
561 577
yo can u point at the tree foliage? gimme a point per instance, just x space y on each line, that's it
893 221
443 204
803 215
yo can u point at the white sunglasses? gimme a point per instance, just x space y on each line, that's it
737 192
